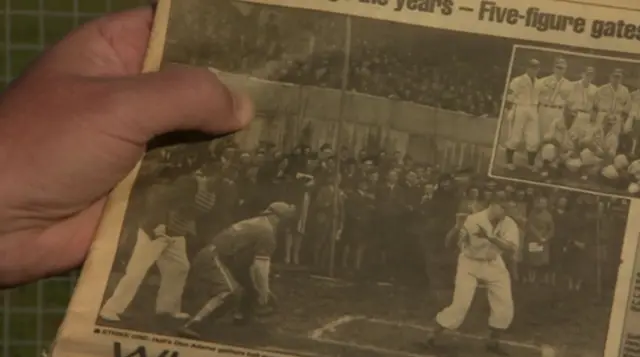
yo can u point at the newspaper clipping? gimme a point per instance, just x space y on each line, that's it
421 178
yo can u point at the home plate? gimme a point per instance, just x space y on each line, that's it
404 339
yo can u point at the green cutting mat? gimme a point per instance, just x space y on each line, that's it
30 315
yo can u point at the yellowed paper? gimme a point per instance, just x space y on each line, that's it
421 178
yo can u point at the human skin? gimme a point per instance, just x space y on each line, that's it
76 123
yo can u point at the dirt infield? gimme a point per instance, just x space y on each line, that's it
320 318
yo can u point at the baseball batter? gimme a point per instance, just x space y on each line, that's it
521 109
612 103
484 238
555 90
582 98
234 269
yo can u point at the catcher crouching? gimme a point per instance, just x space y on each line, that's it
231 274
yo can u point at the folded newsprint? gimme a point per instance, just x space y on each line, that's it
422 178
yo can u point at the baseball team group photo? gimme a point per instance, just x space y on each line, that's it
571 119
362 212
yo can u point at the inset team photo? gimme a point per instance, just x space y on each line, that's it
571 120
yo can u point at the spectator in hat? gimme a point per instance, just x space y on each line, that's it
566 224
350 175
540 230
359 206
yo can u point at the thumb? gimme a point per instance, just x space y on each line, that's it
175 99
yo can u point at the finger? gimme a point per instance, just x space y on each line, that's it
109 46
174 99
70 239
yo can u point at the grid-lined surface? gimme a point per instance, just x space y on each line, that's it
30 315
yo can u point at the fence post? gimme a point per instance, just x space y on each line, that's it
337 193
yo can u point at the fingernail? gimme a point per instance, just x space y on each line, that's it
242 107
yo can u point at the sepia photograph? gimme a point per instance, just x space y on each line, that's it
570 119
356 216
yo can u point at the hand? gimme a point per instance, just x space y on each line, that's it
482 232
573 136
507 109
267 308
76 123
161 230
263 298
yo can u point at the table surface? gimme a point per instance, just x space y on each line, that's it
30 315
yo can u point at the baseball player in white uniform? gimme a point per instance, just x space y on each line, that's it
598 144
521 110
634 112
560 143
612 103
632 125
555 90
581 99
634 176
485 237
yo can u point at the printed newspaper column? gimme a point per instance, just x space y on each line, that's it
630 346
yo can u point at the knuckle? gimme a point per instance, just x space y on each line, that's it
212 92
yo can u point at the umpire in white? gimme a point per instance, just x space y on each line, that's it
169 217
485 237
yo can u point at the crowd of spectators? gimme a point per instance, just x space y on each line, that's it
427 66
434 72
395 219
